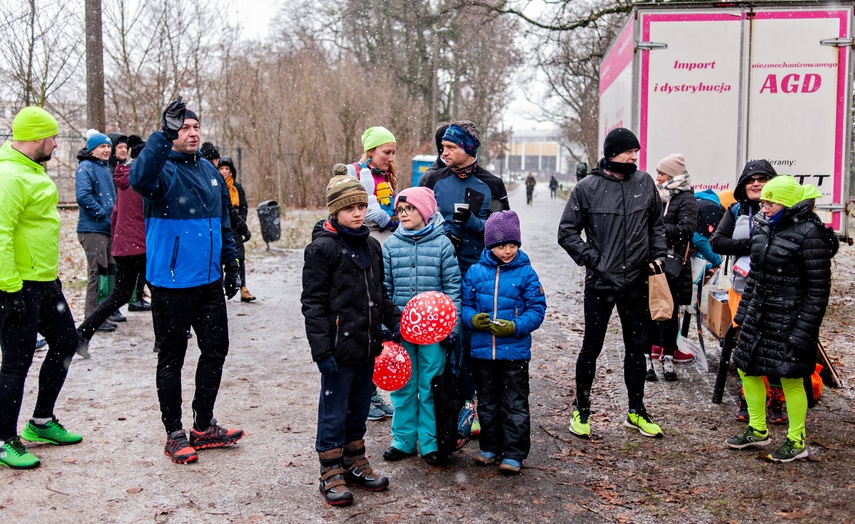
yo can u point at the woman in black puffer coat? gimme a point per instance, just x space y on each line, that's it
782 309
681 219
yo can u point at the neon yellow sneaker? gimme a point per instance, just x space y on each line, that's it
14 455
640 420
53 433
580 424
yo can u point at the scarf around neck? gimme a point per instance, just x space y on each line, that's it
417 233
624 168
465 172
673 186
234 196
357 242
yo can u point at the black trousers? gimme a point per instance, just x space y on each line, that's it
503 407
47 313
128 270
664 333
174 312
634 312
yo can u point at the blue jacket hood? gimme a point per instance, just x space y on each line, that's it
708 194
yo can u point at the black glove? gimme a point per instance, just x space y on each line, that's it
243 231
461 215
328 366
231 279
13 304
456 241
172 119
389 336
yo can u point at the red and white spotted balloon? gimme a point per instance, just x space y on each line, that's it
428 318
392 367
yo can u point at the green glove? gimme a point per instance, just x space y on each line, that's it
481 321
503 328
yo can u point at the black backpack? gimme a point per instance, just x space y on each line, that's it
709 215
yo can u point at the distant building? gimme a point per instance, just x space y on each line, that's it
541 151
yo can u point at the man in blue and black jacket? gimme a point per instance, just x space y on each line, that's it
188 243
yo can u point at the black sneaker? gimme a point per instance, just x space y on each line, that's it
178 449
214 437
107 327
393 454
651 373
750 438
139 305
117 317
789 452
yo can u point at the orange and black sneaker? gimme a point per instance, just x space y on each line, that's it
178 449
214 437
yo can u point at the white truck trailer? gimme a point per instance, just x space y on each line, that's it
728 83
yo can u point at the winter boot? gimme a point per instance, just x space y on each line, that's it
776 412
651 373
245 295
668 368
357 470
333 487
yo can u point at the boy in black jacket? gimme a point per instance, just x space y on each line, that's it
345 305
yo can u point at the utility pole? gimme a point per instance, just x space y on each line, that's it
95 117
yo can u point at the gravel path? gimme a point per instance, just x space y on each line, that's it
270 388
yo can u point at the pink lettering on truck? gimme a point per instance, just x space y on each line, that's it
725 83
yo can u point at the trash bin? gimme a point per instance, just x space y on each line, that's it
268 215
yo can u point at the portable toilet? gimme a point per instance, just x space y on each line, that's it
421 163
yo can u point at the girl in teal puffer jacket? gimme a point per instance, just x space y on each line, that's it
418 258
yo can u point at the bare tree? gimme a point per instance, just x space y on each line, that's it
568 39
41 47
450 61
156 50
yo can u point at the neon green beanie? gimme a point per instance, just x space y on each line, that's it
376 136
33 123
787 191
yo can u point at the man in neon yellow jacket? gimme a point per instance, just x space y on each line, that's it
31 298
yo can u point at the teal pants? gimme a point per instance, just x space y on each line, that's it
415 419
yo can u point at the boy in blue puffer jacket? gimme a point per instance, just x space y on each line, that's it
418 258
503 301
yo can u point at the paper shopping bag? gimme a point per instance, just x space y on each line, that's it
661 302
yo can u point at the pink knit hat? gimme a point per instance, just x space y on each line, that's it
672 165
420 198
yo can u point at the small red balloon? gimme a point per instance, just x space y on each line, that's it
428 318
392 367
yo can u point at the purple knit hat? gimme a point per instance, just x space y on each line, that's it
501 228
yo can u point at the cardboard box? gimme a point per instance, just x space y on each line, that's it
718 313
